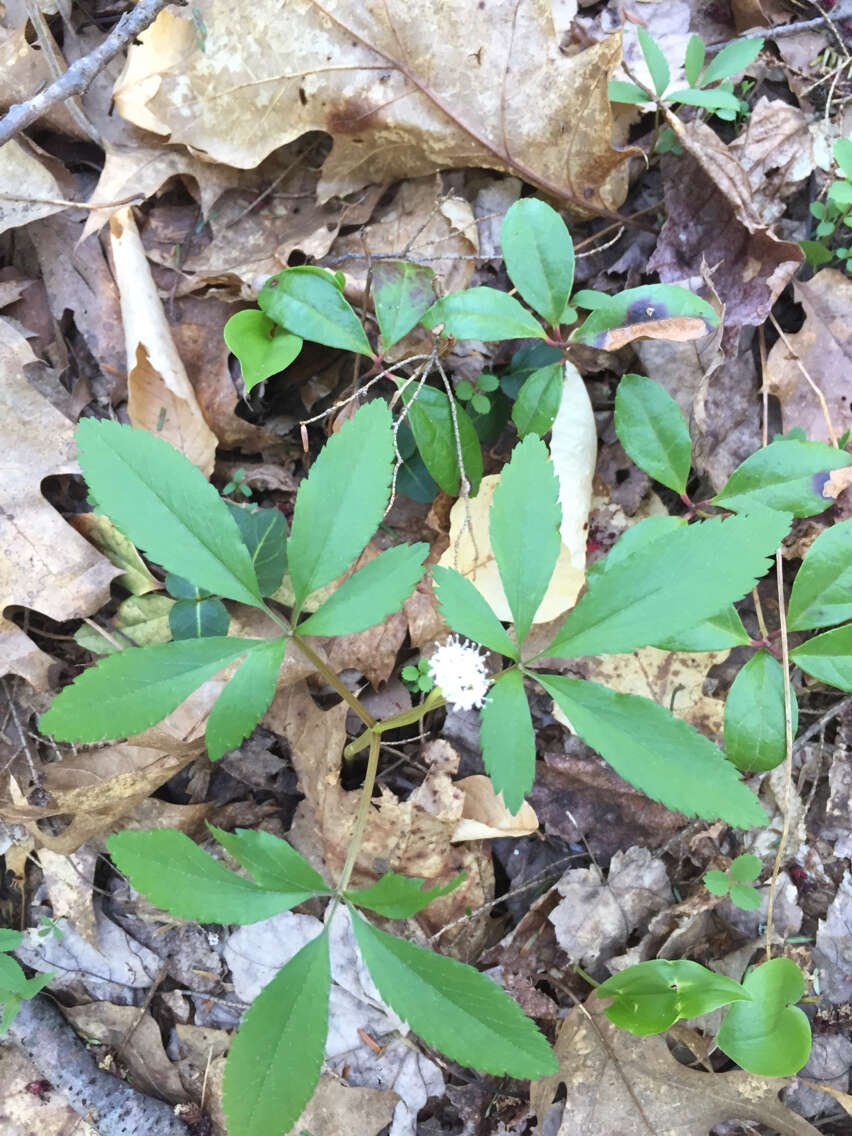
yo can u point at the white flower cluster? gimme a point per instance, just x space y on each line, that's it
459 670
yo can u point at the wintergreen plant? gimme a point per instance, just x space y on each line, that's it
833 214
736 882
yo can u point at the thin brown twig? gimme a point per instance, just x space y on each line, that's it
61 203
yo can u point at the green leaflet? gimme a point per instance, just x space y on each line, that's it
245 699
340 503
310 305
732 59
710 100
198 619
483 313
273 862
661 755
453 1007
652 429
538 401
276 1058
694 59
128 692
652 595
370 594
431 419
657 62
620 91
755 733
399 897
264 533
508 740
745 868
175 874
651 996
252 337
788 475
767 1035
166 507
524 529
828 657
822 590
402 292
469 613
539 256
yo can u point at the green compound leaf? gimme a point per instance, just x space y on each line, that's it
524 529
175 874
252 337
651 996
657 62
430 415
273 862
714 99
399 897
468 612
822 590
508 740
619 91
717 883
755 734
768 1035
653 431
342 500
788 475
371 594
660 592
639 312
745 868
198 619
483 313
453 1007
539 256
402 292
276 1058
128 692
245 699
694 59
312 306
745 897
661 755
732 59
828 657
538 401
167 507
264 533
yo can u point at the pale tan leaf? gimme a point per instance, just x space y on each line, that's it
22 174
485 816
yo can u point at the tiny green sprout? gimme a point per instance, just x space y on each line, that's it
238 484
736 881
49 927
477 395
417 677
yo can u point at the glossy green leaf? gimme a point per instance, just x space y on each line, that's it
275 1060
713 99
732 59
175 874
182 589
649 997
694 59
634 313
264 533
261 347
483 313
822 590
657 593
717 883
273 862
371 594
718 633
166 506
539 256
399 897
245 699
745 897
661 755
453 1007
508 740
755 735
653 431
402 292
619 91
788 475
130 691
198 619
538 400
842 151
768 1035
139 622
828 657
431 419
528 358
412 477
313 307
524 529
468 612
657 62
342 500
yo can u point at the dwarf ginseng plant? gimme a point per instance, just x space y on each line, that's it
670 584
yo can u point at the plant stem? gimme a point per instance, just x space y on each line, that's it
404 718
363 813
334 682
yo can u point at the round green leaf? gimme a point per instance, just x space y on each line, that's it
252 337
745 868
539 255
745 897
768 1035
311 306
716 882
755 734
653 431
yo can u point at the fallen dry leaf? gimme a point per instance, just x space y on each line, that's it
776 153
69 881
22 174
485 816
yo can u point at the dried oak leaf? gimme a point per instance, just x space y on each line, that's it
403 90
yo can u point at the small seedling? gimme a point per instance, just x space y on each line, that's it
417 677
477 395
834 215
736 882
237 485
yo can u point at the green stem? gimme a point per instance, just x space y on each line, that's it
404 718
363 813
334 682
